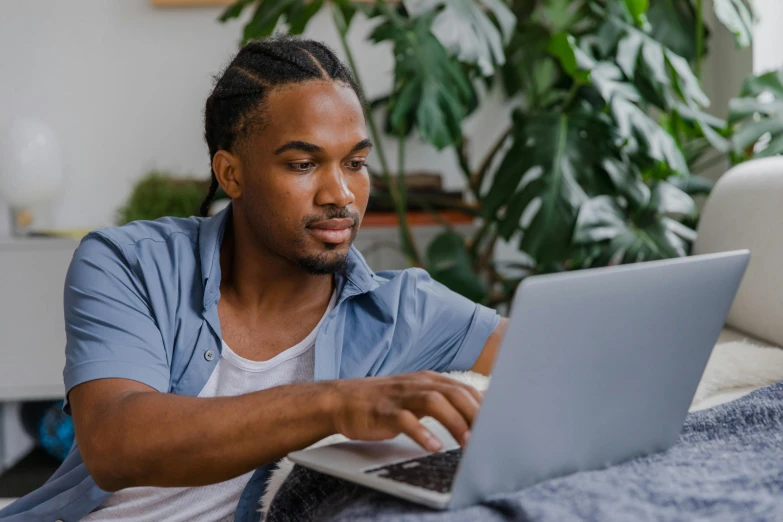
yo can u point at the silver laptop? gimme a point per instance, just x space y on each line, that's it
597 367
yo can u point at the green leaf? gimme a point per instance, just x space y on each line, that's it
693 185
673 24
706 123
741 108
539 186
608 79
234 10
634 123
751 132
562 46
348 10
628 53
448 262
737 18
774 148
430 88
638 9
602 221
667 199
654 60
753 118
559 15
771 82
544 74
687 81
466 31
298 19
627 181
265 19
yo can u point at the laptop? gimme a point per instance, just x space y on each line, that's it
597 367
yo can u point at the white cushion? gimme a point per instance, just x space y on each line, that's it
745 210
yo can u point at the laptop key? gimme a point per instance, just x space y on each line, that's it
434 471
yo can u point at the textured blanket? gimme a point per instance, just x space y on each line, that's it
727 465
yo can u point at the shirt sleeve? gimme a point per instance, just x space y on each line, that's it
452 330
109 325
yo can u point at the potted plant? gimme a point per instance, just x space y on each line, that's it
609 126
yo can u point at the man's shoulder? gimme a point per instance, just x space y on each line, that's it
161 230
162 244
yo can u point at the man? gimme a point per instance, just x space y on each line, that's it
201 351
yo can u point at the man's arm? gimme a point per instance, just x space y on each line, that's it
486 359
132 435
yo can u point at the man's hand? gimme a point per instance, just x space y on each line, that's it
379 408
131 435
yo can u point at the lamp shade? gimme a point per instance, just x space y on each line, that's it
30 162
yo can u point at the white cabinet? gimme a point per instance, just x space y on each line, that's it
32 336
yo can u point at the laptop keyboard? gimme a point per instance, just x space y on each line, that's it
434 471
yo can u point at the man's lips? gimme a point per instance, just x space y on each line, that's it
333 231
333 224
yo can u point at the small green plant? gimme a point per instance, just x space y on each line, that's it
160 194
757 118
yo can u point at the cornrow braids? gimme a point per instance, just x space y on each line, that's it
236 106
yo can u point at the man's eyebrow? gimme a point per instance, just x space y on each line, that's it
300 146
364 144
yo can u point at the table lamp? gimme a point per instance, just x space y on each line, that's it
30 169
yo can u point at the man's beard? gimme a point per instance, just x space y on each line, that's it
323 263
328 262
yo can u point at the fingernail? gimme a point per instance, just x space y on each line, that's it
466 438
433 444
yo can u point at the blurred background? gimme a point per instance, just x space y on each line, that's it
513 137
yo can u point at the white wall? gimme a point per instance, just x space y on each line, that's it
123 85
768 37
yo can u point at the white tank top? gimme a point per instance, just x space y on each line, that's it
233 375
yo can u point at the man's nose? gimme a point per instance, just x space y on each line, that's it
334 189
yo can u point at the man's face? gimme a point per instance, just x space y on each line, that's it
306 184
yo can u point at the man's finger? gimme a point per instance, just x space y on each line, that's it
435 405
410 425
463 401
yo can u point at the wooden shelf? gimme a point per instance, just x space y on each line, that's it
190 3
203 3
389 219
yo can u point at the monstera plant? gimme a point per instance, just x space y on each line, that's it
608 128
757 116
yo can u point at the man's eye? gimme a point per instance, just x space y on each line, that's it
302 166
357 165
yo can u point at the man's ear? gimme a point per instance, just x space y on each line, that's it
228 171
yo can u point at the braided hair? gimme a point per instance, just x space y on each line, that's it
235 108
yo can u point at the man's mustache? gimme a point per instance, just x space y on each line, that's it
336 213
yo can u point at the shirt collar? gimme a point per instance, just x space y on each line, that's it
357 278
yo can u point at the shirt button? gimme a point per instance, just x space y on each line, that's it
209 355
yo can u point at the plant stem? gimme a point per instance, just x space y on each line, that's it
342 30
571 94
487 162
486 257
400 197
464 164
475 241
699 37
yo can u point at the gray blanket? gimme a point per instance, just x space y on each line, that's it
727 465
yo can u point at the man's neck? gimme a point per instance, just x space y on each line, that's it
257 279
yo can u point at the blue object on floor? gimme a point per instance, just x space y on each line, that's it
55 431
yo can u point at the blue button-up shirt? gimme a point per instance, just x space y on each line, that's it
141 304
